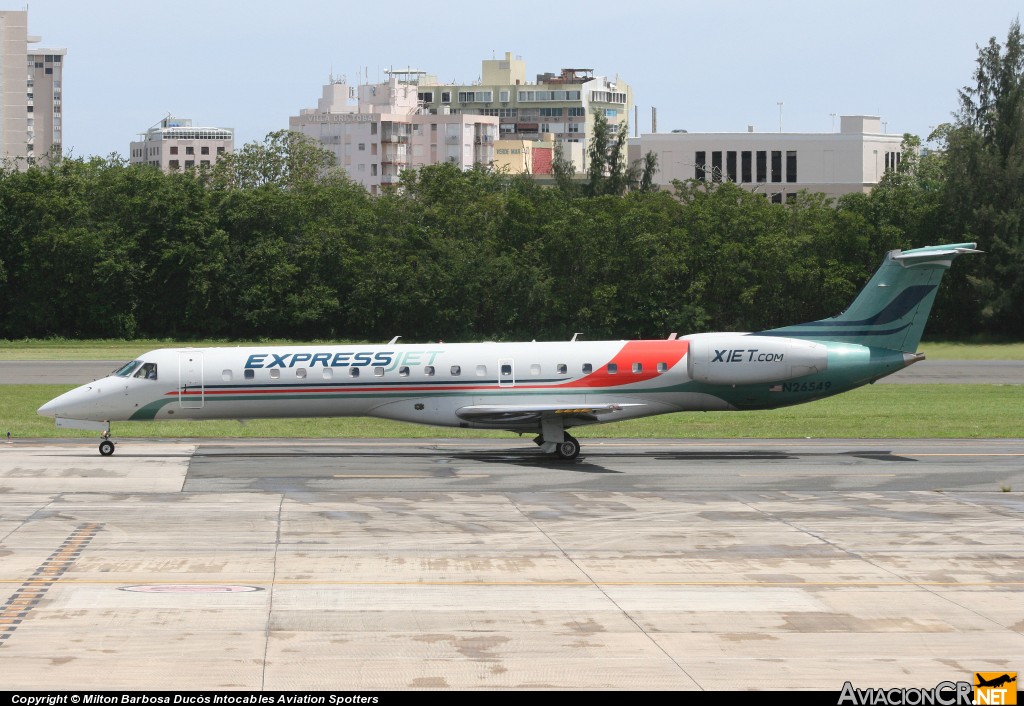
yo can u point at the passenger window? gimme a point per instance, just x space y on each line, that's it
328 373
250 373
506 370
275 373
300 373
456 370
662 367
561 368
428 370
613 368
638 368
534 369
404 371
378 372
481 370
226 376
588 368
353 372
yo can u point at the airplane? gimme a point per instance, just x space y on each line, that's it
544 388
996 682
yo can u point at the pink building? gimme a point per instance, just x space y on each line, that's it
378 130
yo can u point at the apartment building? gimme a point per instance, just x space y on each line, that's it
174 144
562 104
778 164
31 110
376 131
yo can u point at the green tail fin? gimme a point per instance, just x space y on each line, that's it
892 309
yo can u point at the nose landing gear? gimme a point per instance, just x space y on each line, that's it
106 445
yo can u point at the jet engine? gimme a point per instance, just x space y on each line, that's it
738 359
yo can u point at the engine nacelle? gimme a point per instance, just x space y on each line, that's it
735 359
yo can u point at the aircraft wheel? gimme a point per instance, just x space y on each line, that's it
106 447
568 449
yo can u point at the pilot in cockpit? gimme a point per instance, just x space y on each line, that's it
147 371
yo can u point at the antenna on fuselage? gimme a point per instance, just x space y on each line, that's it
575 335
394 340
672 336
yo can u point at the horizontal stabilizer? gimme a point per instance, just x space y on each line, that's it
936 254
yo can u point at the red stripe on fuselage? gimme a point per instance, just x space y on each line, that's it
647 353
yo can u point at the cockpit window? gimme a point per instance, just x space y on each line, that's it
126 369
147 371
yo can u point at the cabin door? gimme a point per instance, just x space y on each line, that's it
191 394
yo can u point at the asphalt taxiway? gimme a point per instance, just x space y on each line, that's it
479 564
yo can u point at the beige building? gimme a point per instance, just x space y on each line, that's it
778 164
174 144
31 111
376 131
534 157
562 104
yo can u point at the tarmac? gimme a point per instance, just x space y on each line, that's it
480 564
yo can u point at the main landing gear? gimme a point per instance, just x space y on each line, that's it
553 440
568 449
106 445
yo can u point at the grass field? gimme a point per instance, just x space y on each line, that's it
59 349
875 411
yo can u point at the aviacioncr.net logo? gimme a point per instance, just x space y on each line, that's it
946 693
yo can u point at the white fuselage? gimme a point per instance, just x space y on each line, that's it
490 385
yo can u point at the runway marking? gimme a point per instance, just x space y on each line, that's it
381 475
411 475
979 454
815 475
32 589
580 584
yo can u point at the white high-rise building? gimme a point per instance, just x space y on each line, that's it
31 82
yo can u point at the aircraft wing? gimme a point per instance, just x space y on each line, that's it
519 413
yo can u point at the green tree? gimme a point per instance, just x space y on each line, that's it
648 170
607 172
984 198
284 159
564 171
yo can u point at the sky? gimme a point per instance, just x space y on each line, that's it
709 66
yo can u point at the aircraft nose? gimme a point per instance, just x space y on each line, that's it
49 409
75 404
